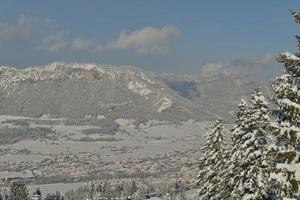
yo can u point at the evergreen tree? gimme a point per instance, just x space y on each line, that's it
287 127
212 162
248 170
229 173
18 190
240 123
38 192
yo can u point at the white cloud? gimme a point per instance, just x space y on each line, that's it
80 44
148 40
21 29
55 42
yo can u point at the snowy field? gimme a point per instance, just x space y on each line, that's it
58 149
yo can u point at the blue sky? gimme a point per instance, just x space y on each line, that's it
156 35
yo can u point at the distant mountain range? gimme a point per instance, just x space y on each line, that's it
77 90
219 92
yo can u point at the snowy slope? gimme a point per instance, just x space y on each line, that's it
220 93
79 90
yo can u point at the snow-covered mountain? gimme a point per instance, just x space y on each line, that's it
219 92
91 90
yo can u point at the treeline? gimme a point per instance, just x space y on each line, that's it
129 189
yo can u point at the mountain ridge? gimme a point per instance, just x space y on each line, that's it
79 90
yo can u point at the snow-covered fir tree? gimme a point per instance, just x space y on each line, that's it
249 167
212 162
18 190
227 181
287 127
240 123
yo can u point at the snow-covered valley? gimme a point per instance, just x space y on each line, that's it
79 153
